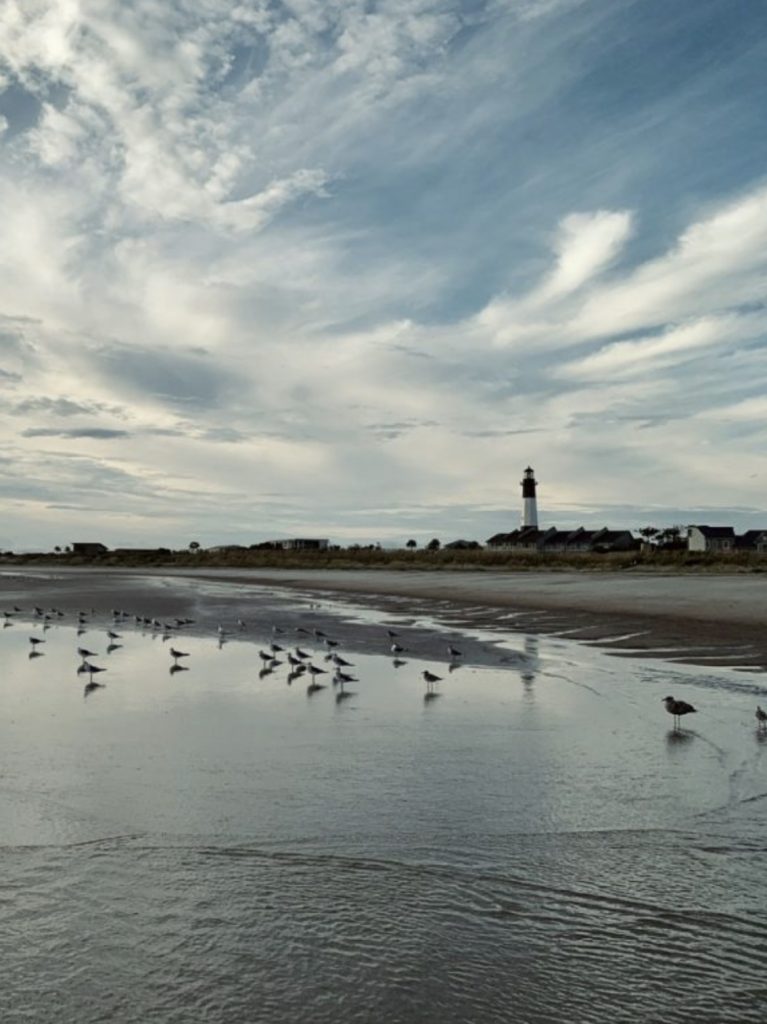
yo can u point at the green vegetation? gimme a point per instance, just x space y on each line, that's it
375 557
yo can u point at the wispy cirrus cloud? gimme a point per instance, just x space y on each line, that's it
340 251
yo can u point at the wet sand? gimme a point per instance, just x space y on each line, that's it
705 619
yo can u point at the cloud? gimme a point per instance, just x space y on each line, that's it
95 433
338 251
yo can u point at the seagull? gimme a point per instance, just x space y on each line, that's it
343 677
761 718
677 708
430 680
90 669
454 652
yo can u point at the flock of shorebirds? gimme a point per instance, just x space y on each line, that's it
301 663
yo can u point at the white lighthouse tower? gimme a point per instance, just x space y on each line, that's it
529 505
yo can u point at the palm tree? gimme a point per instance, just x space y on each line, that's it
412 545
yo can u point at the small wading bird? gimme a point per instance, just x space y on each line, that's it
761 719
430 679
677 708
178 654
454 652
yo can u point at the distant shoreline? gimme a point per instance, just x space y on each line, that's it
710 619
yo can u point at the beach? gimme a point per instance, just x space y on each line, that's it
198 832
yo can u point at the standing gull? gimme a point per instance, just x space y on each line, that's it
677 708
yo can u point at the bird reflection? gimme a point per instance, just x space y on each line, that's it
113 647
313 688
177 668
36 654
90 687
398 662
678 737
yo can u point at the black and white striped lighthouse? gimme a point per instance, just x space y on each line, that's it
529 505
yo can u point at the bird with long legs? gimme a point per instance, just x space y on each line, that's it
430 679
677 708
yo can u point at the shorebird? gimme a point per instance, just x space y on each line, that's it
340 662
454 652
113 636
677 708
343 677
761 719
430 680
302 654
391 634
314 671
276 648
35 640
177 654
90 669
396 649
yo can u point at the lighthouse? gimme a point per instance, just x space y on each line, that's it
529 506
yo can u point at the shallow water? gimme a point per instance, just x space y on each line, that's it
533 844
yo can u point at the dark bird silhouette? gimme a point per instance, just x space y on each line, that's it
177 654
430 679
35 640
761 718
396 649
677 708
454 652
90 668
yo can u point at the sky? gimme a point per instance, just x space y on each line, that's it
344 268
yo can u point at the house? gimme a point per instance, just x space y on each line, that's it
752 540
552 541
89 549
302 544
710 538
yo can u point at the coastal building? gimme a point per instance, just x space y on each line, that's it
710 538
302 544
529 540
89 548
752 540
723 539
